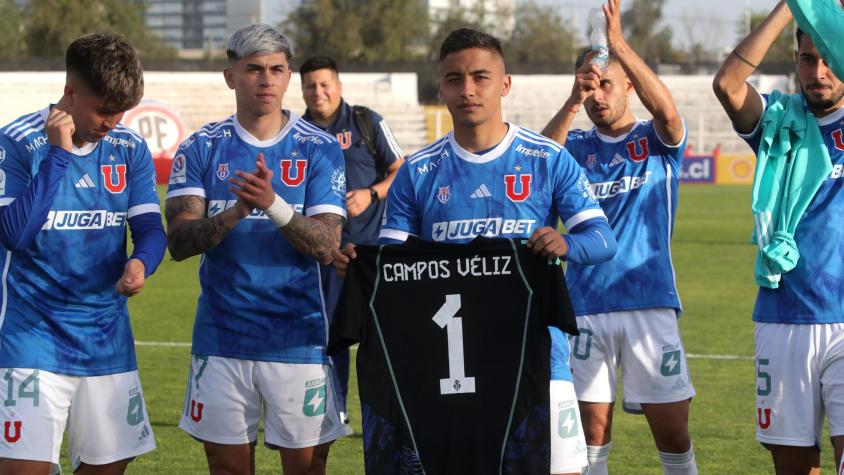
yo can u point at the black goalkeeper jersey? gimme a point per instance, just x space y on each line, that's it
454 358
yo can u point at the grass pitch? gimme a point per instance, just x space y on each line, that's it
714 264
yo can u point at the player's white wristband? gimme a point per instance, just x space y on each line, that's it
280 213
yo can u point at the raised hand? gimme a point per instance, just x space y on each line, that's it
612 11
60 128
586 80
254 189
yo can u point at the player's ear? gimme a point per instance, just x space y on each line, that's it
508 81
69 92
229 75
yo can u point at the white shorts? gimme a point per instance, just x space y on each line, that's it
568 444
106 417
644 344
225 396
799 378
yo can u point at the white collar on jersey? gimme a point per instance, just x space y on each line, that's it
244 134
78 151
831 118
496 152
620 138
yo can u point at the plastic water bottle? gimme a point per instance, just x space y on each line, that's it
598 38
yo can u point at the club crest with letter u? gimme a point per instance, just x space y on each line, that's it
222 171
520 192
637 154
443 194
292 177
114 177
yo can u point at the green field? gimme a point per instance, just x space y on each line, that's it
714 264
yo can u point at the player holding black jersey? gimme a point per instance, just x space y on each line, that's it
495 179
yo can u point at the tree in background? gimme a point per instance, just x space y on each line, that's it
456 18
540 36
639 21
327 27
367 30
51 25
782 51
11 31
393 29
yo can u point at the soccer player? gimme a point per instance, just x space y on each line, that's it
261 196
799 332
71 178
496 179
372 157
627 308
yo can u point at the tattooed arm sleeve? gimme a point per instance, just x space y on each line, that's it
189 232
315 236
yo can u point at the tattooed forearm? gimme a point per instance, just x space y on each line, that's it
190 233
315 236
190 238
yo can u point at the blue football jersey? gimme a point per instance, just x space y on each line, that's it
444 193
60 311
261 298
362 169
635 178
811 292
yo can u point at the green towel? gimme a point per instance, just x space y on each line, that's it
791 164
823 20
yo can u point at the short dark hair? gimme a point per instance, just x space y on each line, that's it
315 63
109 67
465 38
581 58
798 35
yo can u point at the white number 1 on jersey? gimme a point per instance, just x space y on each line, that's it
457 382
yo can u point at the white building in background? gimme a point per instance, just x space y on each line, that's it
196 27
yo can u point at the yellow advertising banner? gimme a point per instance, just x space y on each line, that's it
437 122
735 168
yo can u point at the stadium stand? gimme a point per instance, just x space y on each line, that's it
203 97
534 99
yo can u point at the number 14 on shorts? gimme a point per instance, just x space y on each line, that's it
27 389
